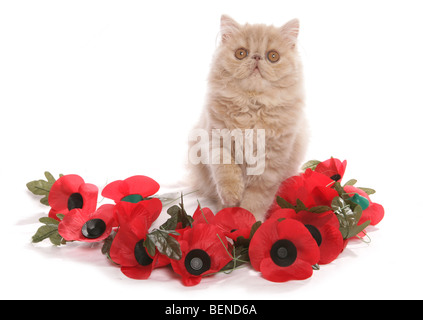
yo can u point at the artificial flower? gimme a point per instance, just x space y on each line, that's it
332 168
312 188
204 251
80 225
133 189
374 211
324 227
71 192
283 250
127 248
235 222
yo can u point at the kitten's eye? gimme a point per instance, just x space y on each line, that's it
241 53
273 56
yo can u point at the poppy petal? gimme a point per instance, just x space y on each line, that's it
70 227
299 270
89 193
203 215
332 244
142 185
261 243
191 280
312 188
235 222
138 272
374 212
62 189
135 185
138 216
332 168
299 235
106 213
111 191
123 246
206 239
283 214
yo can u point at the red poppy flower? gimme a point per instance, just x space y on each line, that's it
324 227
332 168
136 215
132 189
283 251
374 212
71 192
312 188
202 253
127 248
235 222
80 225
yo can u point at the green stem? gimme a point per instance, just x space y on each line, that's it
231 256
204 216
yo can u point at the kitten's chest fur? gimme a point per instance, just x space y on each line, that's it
255 111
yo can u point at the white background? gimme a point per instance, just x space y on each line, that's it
109 89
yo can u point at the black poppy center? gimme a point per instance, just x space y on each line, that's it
283 253
94 228
315 233
197 261
75 201
336 177
141 254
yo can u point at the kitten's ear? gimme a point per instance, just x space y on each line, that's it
228 27
290 30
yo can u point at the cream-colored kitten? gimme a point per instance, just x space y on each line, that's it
255 82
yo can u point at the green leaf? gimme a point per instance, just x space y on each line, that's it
49 221
42 187
283 203
369 191
348 218
44 232
50 230
105 249
165 243
56 239
300 206
254 228
350 182
319 209
357 229
150 246
172 222
177 214
337 186
312 164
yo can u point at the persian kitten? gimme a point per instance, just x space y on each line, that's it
255 99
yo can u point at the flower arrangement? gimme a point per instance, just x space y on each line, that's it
309 224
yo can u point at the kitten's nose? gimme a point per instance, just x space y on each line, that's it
256 57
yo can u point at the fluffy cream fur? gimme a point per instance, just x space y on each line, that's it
254 93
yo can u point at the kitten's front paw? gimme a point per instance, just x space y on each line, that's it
231 193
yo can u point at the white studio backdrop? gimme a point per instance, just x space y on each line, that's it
110 89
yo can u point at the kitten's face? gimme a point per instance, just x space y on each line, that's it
257 57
